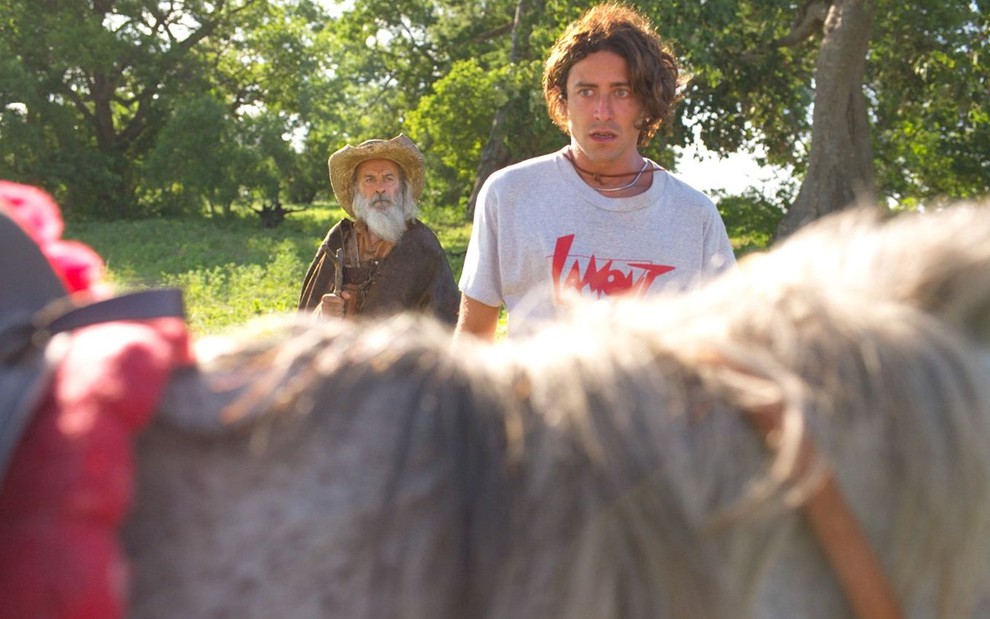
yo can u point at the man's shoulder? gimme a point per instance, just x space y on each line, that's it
342 225
335 235
534 166
686 193
421 234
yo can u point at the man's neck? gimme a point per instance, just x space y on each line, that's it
600 176
374 238
627 163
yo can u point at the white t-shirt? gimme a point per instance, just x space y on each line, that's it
541 235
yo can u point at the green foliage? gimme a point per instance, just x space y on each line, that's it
232 159
230 270
742 91
180 184
931 68
453 122
226 295
750 219
100 82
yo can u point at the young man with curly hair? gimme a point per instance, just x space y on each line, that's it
596 218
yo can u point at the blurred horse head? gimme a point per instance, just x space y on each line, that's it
609 466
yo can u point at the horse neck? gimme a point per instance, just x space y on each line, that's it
896 455
764 549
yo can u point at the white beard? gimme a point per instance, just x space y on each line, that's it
390 222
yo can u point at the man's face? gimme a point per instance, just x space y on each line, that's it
602 111
379 182
381 199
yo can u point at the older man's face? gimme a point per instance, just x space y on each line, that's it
382 199
379 181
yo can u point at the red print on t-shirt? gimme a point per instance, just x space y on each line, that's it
613 277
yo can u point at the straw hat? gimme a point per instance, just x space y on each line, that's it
399 149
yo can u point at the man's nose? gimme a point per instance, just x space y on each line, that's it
603 107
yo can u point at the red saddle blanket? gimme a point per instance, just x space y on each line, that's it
70 482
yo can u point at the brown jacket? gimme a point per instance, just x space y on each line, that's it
415 275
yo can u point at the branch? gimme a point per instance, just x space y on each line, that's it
493 33
809 20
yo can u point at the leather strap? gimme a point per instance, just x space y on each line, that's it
142 305
849 552
63 314
843 543
361 274
846 548
24 371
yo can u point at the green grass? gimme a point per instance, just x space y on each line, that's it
230 270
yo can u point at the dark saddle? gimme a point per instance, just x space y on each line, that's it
34 307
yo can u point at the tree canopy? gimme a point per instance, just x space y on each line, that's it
126 108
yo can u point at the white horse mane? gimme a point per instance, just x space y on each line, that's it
602 467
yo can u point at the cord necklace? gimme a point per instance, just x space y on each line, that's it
598 176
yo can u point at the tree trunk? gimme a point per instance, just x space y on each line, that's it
495 154
840 166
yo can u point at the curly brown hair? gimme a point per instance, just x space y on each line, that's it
653 69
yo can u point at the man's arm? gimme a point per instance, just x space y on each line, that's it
320 274
476 318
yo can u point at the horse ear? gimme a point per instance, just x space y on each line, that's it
936 261
967 304
949 270
199 402
191 405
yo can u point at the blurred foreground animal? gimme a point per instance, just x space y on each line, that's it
608 467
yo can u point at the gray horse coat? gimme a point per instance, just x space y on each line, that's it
602 468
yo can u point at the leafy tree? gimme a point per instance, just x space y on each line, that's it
450 123
94 83
455 124
98 77
270 162
931 121
840 159
750 220
179 182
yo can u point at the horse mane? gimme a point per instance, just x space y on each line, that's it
602 468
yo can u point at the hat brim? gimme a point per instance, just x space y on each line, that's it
399 149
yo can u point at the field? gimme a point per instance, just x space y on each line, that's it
234 269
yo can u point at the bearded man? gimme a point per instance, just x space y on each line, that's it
383 260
